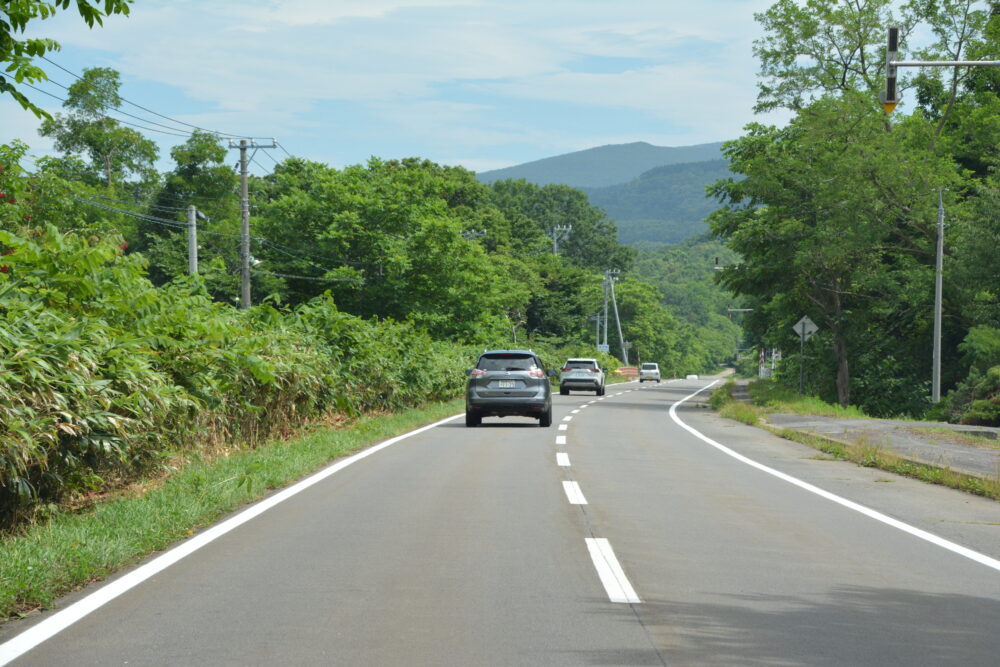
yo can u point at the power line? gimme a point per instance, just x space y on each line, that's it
125 113
117 120
155 113
325 280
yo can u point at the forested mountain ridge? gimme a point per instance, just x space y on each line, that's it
603 165
666 204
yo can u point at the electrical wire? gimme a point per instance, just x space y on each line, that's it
117 120
325 280
155 113
125 113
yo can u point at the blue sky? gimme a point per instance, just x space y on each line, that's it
478 83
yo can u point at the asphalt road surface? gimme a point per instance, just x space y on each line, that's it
626 534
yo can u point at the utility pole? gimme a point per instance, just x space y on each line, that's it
243 145
938 289
192 240
610 278
604 343
559 232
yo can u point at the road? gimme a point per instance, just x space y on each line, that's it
626 534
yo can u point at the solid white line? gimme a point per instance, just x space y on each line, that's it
560 439
574 493
867 511
562 459
563 427
61 620
616 584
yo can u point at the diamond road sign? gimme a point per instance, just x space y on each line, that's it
805 328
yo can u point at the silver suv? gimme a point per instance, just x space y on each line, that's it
581 375
506 383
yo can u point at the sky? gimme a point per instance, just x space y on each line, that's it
482 84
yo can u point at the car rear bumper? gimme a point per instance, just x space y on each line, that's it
581 383
508 406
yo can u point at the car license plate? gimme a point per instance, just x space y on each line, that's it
505 384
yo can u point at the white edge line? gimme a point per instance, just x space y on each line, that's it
35 635
616 584
574 493
980 558
562 458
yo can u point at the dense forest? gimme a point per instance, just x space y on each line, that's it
373 286
834 216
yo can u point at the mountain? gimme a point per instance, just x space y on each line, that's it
603 166
666 204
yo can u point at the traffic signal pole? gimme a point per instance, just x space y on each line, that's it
889 98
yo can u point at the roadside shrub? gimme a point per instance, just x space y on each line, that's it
103 374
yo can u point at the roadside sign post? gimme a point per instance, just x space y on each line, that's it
805 328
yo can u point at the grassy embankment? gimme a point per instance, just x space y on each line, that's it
76 547
768 397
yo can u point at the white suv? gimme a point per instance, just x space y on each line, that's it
649 372
581 374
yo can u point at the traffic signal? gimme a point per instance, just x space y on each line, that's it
889 97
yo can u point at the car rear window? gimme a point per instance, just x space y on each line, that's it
580 363
506 362
649 367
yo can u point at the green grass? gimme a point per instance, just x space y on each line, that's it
862 451
776 398
72 549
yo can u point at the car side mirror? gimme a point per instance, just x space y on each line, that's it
468 371
551 373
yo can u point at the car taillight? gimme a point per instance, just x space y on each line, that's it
536 373
565 368
477 373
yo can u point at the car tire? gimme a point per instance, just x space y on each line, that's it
600 391
546 418
563 391
472 420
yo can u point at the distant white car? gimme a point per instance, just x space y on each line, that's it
649 371
581 375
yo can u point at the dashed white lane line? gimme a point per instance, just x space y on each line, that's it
574 493
560 439
577 410
867 511
60 620
616 584
563 427
568 418
562 459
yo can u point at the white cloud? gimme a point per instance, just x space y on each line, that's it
439 70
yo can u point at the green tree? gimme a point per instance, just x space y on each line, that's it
835 220
115 152
820 48
18 54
